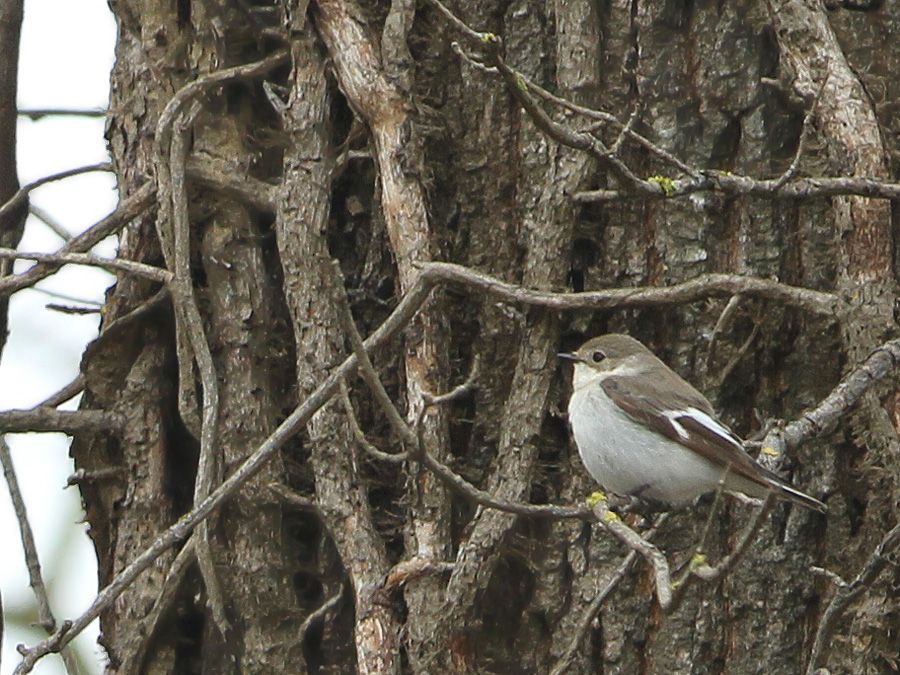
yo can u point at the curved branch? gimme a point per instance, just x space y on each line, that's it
127 210
847 593
23 191
702 287
825 416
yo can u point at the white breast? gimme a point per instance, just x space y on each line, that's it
628 458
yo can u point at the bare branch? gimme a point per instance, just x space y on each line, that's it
127 210
359 435
49 221
197 87
227 180
459 484
23 191
590 612
415 568
661 572
434 274
35 114
704 286
36 580
189 323
69 391
178 531
319 614
43 419
111 265
733 184
825 416
782 187
847 593
167 595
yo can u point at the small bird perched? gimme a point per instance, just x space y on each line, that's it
642 430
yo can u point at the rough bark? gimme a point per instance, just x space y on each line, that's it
377 145
13 223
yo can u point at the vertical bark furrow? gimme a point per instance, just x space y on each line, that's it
309 283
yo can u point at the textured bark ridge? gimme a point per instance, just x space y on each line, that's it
296 166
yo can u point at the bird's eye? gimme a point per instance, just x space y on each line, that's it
597 357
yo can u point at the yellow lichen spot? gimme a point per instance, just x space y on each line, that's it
595 498
488 37
611 517
698 560
770 451
665 183
520 82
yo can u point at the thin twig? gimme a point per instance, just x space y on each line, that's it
366 369
69 391
84 476
738 356
110 264
127 210
71 309
23 191
32 562
847 593
825 416
50 222
233 183
794 166
148 306
521 87
590 612
360 436
209 465
734 302
658 563
164 601
293 498
319 614
459 484
63 296
461 390
35 114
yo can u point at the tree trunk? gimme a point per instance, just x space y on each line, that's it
374 144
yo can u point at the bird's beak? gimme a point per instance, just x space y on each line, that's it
568 356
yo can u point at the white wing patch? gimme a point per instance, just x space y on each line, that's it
710 423
674 415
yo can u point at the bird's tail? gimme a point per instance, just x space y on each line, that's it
794 495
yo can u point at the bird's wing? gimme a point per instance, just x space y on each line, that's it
690 422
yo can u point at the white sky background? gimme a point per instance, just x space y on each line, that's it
66 55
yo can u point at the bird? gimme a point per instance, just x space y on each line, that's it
645 432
